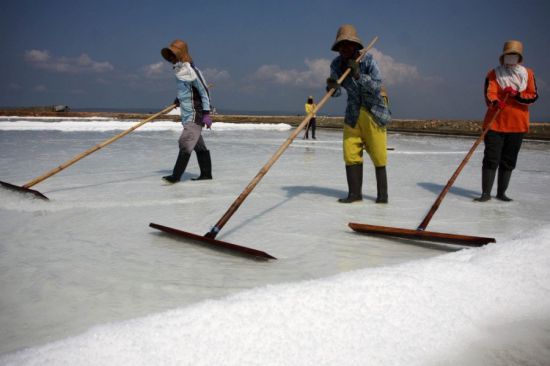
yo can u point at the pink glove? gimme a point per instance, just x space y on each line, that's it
499 104
207 120
513 92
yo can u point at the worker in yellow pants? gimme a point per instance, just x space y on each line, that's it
366 135
367 111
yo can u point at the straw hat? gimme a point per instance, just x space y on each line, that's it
177 48
512 47
347 32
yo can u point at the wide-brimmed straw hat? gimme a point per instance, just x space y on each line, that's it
347 32
512 47
177 48
383 91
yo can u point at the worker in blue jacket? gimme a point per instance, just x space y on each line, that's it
194 101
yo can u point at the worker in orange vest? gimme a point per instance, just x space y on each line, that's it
510 88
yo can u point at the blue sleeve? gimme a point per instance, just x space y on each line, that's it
370 78
205 98
334 70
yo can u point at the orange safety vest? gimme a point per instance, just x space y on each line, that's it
515 115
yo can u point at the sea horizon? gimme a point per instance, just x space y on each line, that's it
224 111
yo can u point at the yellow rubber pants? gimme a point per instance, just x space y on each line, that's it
365 135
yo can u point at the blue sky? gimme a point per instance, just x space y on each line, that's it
264 56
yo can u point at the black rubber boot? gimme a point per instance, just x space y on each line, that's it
487 180
179 167
381 185
205 165
354 175
502 184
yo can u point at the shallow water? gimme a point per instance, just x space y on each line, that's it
88 256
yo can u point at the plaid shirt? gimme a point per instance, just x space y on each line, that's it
362 92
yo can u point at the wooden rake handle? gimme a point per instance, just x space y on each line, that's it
451 181
240 199
95 148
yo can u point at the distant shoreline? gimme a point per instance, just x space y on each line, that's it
538 130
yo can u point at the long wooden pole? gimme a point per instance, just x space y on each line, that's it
95 148
240 199
451 181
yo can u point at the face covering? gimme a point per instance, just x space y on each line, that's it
511 60
184 71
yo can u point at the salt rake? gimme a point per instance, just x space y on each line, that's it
420 233
25 188
210 237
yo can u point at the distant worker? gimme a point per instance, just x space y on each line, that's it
504 138
367 113
310 107
194 102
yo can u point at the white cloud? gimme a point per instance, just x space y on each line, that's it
103 81
37 56
156 70
394 72
215 75
85 62
315 74
162 70
80 64
318 70
39 88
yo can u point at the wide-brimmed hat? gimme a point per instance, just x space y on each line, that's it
177 48
347 32
512 47
383 91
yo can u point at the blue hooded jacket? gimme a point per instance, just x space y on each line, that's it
192 92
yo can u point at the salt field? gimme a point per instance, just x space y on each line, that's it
85 280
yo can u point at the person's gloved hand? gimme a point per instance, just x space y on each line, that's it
498 104
354 66
509 90
332 84
176 102
207 120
